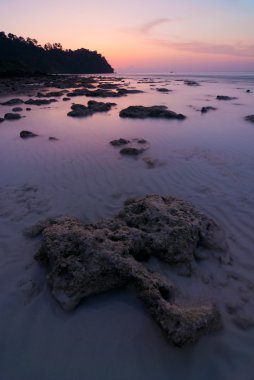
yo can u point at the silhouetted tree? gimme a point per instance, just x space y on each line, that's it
27 55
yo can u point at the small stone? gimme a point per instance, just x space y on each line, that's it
249 118
131 151
163 90
26 134
52 138
17 109
79 110
12 116
206 109
119 142
224 97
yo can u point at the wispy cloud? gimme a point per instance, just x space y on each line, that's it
147 28
238 49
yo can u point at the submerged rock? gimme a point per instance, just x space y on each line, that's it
26 134
162 89
224 97
152 162
89 259
79 110
141 112
17 109
12 116
249 118
40 102
100 106
191 83
52 138
119 142
13 102
130 151
208 108
52 94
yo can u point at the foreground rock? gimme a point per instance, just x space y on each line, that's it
27 134
141 112
249 118
89 259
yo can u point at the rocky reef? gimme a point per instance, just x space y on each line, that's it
89 259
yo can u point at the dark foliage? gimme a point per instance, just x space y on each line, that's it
18 54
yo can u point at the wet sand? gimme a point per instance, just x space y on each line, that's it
207 159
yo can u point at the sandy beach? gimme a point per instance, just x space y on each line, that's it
206 159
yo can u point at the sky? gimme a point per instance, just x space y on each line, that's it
143 35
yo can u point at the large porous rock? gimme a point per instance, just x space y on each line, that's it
141 112
89 259
173 228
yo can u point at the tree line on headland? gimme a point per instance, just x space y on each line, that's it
25 56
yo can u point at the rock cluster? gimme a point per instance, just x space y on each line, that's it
88 259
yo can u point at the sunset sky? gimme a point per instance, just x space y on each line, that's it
143 35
